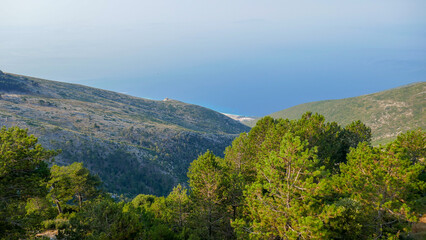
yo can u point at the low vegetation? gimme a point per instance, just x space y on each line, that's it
387 113
134 145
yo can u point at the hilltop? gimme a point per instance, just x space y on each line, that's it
135 145
388 113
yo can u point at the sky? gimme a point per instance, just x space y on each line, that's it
242 56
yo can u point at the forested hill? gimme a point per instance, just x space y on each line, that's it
387 113
135 145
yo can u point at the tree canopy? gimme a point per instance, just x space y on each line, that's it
23 171
285 179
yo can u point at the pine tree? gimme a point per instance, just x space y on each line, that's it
383 183
23 172
72 182
282 201
208 183
178 206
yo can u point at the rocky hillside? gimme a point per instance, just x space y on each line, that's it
135 145
388 113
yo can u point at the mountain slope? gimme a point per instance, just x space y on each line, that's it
388 113
135 145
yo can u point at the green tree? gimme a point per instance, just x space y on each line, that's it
242 155
410 145
282 201
72 182
155 216
103 218
23 171
355 133
327 137
208 183
383 183
178 205
331 140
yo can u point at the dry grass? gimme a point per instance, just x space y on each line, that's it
49 234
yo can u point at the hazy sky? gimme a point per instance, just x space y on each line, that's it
240 56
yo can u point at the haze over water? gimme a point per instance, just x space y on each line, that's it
244 57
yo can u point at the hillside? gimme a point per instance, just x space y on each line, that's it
388 113
242 119
135 145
